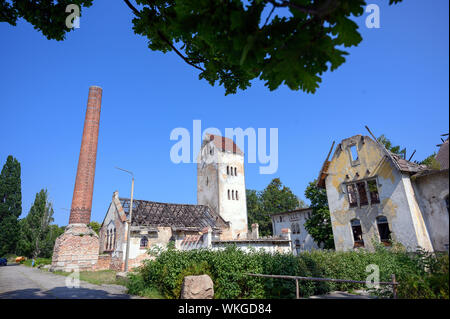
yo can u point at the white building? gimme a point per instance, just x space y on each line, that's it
294 220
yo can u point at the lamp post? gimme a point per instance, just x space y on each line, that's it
127 253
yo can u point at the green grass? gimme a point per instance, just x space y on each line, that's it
37 262
100 277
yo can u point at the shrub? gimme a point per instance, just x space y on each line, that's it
228 269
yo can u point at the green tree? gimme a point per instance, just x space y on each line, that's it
393 149
36 233
95 226
431 162
291 42
319 224
273 199
10 205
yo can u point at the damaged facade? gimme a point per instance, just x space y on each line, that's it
219 219
375 196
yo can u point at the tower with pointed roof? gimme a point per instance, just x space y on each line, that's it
221 183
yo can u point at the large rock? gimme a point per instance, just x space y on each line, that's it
197 287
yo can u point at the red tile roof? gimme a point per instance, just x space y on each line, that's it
224 144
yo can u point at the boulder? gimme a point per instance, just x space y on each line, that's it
197 287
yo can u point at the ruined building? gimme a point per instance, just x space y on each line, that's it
219 218
376 196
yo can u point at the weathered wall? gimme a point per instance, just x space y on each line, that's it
286 220
396 202
248 246
431 191
213 184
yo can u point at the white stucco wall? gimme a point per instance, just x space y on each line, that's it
286 220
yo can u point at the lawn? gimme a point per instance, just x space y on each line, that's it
100 277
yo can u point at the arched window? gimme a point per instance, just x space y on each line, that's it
235 171
229 194
383 230
357 233
228 170
107 240
237 197
231 171
232 194
144 242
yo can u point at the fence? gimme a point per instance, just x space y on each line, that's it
393 283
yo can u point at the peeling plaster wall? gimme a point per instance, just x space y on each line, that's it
397 201
431 191
306 241
213 184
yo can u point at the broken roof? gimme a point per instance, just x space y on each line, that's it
177 216
400 163
224 144
442 155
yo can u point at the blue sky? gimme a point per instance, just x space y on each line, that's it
396 82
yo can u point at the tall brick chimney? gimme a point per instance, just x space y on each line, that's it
80 212
78 247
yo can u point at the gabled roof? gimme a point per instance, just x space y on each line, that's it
224 144
177 216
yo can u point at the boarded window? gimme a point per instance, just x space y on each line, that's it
383 230
351 191
373 191
357 233
144 242
362 193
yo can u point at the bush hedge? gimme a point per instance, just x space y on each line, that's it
421 275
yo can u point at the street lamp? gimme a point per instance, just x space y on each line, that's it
129 219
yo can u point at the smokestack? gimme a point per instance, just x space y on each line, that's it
80 212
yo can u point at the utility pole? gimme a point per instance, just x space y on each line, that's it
129 219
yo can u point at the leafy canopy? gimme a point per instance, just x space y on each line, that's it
273 199
232 42
37 235
319 224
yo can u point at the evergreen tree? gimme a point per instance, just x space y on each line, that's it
10 205
36 233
